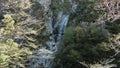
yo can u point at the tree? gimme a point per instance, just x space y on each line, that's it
92 44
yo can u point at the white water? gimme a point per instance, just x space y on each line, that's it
56 29
59 27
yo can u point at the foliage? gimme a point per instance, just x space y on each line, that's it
113 27
8 22
28 21
86 44
85 12
10 54
90 43
91 40
24 26
111 8
58 6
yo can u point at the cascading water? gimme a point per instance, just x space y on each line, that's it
59 27
56 28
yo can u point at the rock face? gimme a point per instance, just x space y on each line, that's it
55 23
41 59
45 3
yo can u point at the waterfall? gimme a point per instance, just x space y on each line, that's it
56 28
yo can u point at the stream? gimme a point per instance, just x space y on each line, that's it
43 58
